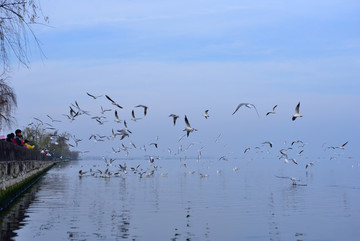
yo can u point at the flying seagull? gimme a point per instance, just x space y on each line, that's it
309 165
113 102
72 115
292 179
174 117
53 120
273 110
297 114
117 120
155 144
126 128
145 108
268 142
181 138
133 144
188 128
93 96
104 110
80 111
343 146
206 115
133 116
248 105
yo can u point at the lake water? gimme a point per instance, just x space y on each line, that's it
237 199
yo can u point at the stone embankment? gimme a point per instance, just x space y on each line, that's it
19 169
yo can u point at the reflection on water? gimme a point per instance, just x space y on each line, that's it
11 219
176 203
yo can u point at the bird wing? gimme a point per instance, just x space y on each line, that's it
187 122
50 118
297 109
274 107
109 98
116 115
145 110
238 107
118 105
255 109
90 95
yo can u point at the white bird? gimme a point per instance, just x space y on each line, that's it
123 133
206 115
113 134
248 105
273 110
151 159
76 140
181 137
133 144
72 115
297 141
104 110
100 122
145 108
268 142
204 175
293 160
218 138
297 110
188 128
80 111
155 144
113 102
53 120
223 158
343 146
117 120
133 116
309 165
174 117
93 96
81 173
292 179
126 128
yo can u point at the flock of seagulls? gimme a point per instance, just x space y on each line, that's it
75 111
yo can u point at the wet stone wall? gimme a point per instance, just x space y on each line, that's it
19 167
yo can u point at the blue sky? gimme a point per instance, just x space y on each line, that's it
184 57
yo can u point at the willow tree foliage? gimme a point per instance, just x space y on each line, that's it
56 143
16 34
16 21
7 103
